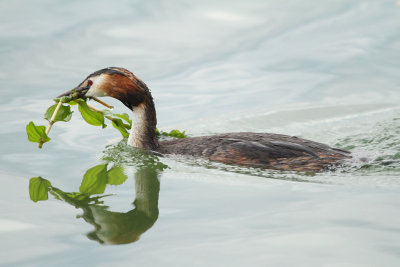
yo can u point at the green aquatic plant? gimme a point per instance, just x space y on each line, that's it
61 111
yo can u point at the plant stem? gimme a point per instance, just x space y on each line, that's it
101 102
51 122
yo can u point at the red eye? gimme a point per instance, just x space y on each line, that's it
90 82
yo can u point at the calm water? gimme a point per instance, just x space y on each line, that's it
324 71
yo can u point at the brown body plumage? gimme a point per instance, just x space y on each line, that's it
263 150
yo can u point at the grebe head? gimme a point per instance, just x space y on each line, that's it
121 84
115 82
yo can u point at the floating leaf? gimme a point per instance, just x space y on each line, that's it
175 133
36 134
90 116
39 189
94 181
64 114
116 175
119 125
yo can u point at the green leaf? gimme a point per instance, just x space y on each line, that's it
90 116
94 181
39 189
116 175
119 125
106 112
64 114
125 117
72 103
36 134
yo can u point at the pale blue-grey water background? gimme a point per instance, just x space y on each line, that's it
322 70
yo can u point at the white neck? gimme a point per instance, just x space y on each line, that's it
138 130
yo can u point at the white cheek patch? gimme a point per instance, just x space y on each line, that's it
95 89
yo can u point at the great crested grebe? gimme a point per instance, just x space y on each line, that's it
264 150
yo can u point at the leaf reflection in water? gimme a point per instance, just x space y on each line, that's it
111 227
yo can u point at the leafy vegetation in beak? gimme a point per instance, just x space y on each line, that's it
90 116
61 111
64 114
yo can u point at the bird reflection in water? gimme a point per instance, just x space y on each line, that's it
126 227
112 227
